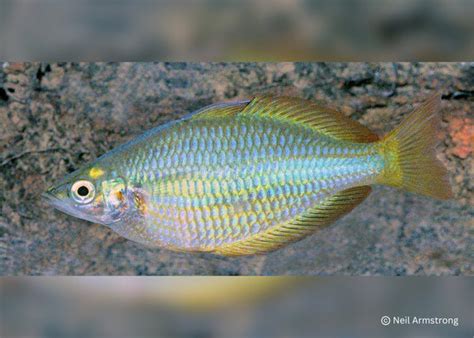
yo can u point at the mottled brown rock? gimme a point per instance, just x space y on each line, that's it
57 117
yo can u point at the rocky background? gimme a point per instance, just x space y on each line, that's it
56 117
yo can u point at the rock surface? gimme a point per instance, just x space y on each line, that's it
57 117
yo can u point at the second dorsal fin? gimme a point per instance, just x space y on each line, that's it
323 119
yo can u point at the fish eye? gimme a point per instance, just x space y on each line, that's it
83 191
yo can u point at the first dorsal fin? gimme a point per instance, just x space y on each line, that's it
318 217
219 110
323 119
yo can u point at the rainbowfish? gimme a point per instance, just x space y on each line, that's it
251 176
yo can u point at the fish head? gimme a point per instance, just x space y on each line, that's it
90 194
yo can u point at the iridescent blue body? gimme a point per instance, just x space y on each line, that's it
207 182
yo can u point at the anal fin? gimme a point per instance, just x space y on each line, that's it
312 220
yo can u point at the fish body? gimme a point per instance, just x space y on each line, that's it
237 178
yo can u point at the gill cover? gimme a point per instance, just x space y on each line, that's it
115 199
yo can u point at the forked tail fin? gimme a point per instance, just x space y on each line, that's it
409 152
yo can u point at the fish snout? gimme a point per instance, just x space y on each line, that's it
49 197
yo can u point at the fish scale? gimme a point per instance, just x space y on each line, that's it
211 178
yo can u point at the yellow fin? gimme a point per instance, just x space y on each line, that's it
409 152
325 213
219 110
323 119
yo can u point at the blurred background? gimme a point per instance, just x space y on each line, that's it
219 30
60 116
232 306
57 116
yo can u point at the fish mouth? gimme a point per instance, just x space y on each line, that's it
67 208
59 204
50 199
